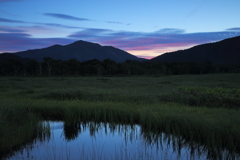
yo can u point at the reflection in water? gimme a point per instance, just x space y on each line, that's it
71 131
89 140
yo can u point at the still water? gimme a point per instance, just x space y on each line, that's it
103 141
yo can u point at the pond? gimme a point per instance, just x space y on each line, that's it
103 141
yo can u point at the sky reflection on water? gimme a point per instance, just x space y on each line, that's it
103 141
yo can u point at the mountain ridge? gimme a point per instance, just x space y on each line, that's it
79 50
226 51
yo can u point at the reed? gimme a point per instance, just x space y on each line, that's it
148 101
18 127
203 96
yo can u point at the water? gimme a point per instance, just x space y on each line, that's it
103 141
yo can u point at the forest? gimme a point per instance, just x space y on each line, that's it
108 67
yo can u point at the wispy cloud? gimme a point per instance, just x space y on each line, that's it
139 43
234 29
11 21
117 22
13 42
4 29
7 13
68 17
58 25
64 16
114 22
37 23
159 40
20 38
1 1
89 33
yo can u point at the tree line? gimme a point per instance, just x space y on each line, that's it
108 67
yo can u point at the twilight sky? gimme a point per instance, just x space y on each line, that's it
145 28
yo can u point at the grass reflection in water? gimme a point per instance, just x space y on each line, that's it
90 140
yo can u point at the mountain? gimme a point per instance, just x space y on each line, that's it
80 50
223 52
8 56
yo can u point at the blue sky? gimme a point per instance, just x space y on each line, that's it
140 27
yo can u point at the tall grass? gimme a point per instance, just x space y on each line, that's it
18 127
127 100
210 127
203 96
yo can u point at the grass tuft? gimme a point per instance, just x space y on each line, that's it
204 96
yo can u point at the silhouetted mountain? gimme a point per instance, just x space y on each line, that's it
223 52
80 50
8 56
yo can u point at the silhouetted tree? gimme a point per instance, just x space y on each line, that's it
95 67
48 61
110 66
33 68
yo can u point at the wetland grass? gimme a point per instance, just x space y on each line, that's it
203 96
18 127
130 100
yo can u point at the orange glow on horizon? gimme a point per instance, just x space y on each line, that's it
149 54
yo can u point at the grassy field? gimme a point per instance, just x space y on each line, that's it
202 109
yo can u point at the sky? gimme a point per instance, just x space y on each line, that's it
145 28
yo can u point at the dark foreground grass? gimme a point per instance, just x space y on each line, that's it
128 100
203 96
18 127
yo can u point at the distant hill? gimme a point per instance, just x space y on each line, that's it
223 52
80 50
8 56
